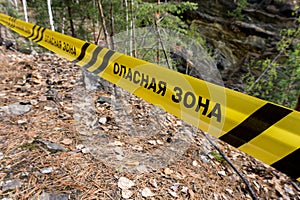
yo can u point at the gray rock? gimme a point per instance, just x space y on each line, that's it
94 82
53 147
142 169
204 158
119 151
48 196
11 185
103 99
14 109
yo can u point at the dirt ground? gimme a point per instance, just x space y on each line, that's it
69 139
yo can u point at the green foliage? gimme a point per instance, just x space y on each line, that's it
83 14
29 146
40 12
167 17
193 32
237 13
217 156
171 14
8 8
86 19
278 80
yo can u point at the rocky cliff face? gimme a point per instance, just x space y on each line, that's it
236 40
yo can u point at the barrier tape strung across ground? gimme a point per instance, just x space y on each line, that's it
267 131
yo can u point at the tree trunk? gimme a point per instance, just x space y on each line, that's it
112 26
158 39
25 10
127 29
63 23
26 17
103 24
70 18
298 104
50 15
132 33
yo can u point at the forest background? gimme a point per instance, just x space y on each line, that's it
274 78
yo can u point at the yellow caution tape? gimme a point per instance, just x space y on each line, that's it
268 132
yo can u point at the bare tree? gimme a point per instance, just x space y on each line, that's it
126 21
25 10
132 32
24 2
156 21
103 24
50 15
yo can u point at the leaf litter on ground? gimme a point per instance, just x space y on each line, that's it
46 81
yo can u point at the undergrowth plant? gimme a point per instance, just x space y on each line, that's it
278 80
170 14
237 12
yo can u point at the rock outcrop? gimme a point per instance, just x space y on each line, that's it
253 34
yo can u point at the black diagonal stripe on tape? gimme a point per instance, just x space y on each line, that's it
290 164
37 34
32 32
94 57
42 35
255 124
105 61
82 52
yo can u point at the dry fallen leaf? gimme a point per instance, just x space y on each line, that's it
184 189
146 192
192 194
159 142
102 120
153 182
126 194
168 171
153 142
195 163
124 183
173 194
117 143
222 173
67 141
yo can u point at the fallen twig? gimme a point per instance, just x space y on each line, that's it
252 193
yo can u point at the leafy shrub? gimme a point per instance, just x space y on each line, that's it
278 80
